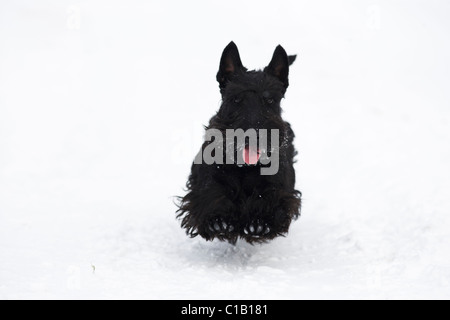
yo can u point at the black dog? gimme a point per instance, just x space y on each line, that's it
227 200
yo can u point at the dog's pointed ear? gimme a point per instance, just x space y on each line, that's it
279 66
292 59
230 64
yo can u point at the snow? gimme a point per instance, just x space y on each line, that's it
101 111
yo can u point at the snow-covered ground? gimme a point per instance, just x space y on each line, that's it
101 111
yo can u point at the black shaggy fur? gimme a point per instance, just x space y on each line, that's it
228 202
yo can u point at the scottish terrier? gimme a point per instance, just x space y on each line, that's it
248 191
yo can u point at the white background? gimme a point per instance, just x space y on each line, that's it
101 111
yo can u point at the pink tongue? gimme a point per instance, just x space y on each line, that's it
251 156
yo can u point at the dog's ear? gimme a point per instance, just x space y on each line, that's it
279 66
230 64
292 59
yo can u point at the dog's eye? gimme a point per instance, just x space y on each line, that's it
270 101
237 100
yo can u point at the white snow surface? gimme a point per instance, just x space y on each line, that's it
101 111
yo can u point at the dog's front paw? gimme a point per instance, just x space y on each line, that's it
256 230
219 226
